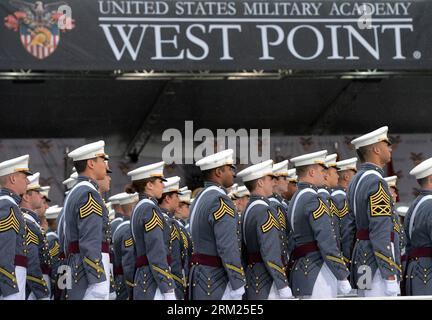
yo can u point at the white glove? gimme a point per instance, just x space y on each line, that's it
97 291
237 294
169 296
344 286
392 287
285 293
112 296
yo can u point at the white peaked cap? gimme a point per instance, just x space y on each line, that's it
114 199
292 175
330 160
216 160
53 212
348 164
310 159
402 210
257 171
241 192
391 181
128 198
372 137
185 196
172 184
422 170
34 182
19 164
88 151
154 170
280 169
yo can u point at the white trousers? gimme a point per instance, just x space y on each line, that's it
325 286
21 274
100 291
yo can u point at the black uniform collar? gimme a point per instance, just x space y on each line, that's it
84 178
304 185
425 192
211 183
13 195
146 196
32 214
277 197
254 197
169 214
181 221
370 166
340 188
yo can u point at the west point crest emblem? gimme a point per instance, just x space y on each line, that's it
39 25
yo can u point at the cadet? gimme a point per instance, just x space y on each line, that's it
151 235
316 265
182 212
85 228
124 250
241 198
45 205
329 183
375 266
265 272
51 215
346 170
168 204
13 249
418 230
292 185
402 211
277 202
115 204
39 261
217 272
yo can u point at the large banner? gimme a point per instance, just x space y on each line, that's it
215 35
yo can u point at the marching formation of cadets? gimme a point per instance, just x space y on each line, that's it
323 229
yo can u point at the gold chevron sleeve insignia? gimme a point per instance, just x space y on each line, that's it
344 211
270 223
223 209
396 227
174 234
333 209
31 237
91 206
154 222
10 222
380 203
322 209
55 250
185 240
239 270
281 218
128 242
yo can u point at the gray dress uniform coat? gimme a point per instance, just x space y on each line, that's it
13 248
62 262
339 197
186 250
86 231
54 252
39 261
175 251
325 194
418 232
279 207
264 248
373 217
124 260
311 222
151 235
216 260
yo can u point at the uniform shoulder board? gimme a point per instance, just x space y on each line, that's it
281 218
91 206
10 222
380 203
223 209
270 223
31 237
128 242
154 222
322 208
